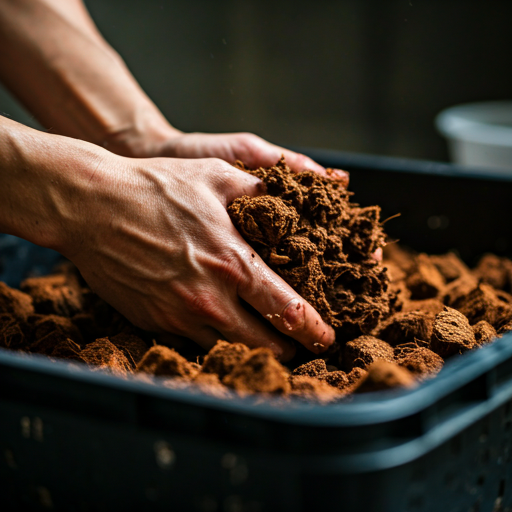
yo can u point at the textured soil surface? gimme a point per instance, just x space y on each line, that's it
396 322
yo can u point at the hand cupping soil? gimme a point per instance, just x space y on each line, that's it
396 322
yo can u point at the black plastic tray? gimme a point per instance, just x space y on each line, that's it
73 439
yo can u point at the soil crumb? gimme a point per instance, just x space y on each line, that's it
365 350
164 361
104 355
419 360
484 333
451 333
258 372
385 375
223 357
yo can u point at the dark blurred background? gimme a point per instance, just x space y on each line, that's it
354 75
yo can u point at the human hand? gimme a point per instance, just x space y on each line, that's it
153 238
252 150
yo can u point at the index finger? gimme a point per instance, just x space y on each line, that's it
279 303
299 163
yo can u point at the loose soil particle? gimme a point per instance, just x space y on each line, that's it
258 372
406 326
484 333
385 375
451 333
365 350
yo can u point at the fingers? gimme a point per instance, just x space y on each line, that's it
206 337
298 163
284 308
256 152
229 183
243 327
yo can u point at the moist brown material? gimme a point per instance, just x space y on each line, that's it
57 294
484 333
311 389
451 333
385 375
104 355
131 345
15 302
450 266
67 349
223 357
495 271
310 234
313 368
406 326
483 303
420 361
430 306
365 350
425 282
11 333
44 325
258 372
164 361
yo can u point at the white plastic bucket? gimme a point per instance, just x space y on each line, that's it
479 134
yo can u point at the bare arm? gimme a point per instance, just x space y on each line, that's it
55 61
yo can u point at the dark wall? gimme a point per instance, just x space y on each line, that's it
356 75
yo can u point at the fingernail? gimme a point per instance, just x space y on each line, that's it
294 315
325 341
338 175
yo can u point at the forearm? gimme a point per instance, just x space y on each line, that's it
42 180
58 65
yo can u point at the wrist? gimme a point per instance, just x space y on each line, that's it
43 185
143 138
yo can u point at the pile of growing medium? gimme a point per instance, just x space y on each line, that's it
396 322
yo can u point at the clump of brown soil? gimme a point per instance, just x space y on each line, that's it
309 388
258 372
308 232
418 359
483 303
106 356
451 333
132 347
223 357
15 302
484 333
56 294
450 266
495 271
425 281
385 375
313 368
11 333
164 361
406 326
365 350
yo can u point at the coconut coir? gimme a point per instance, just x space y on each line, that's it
308 232
395 322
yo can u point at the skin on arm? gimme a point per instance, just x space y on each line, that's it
56 62
153 238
